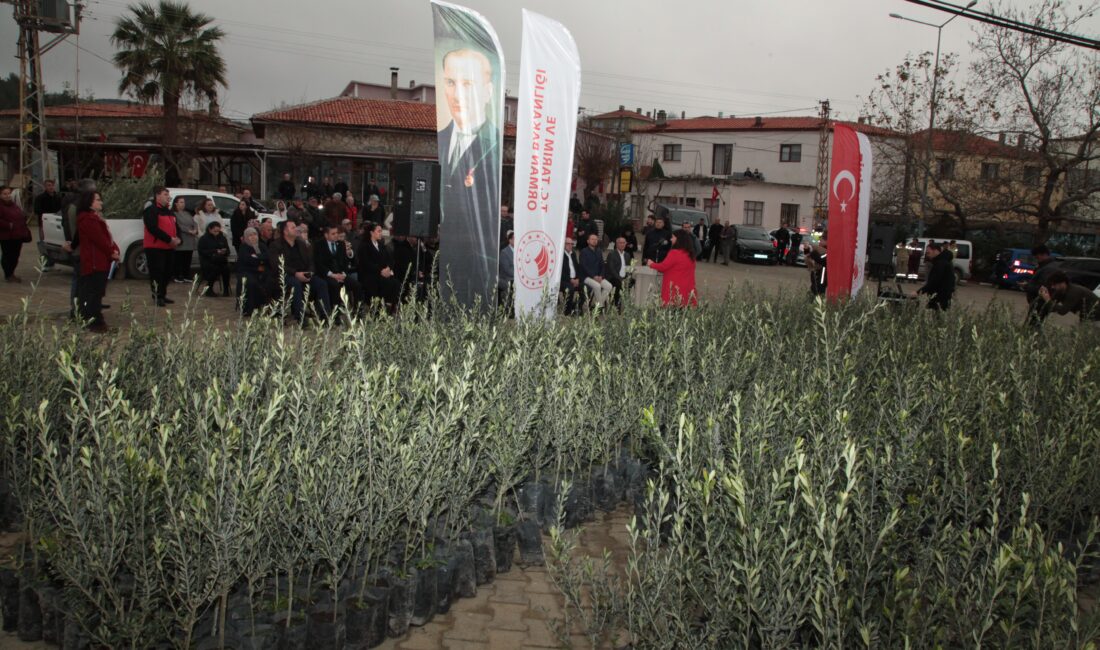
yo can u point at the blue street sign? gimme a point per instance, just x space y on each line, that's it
626 154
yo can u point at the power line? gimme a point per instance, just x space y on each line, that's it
1010 23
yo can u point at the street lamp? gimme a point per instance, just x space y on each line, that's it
932 108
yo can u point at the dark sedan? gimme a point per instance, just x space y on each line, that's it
754 244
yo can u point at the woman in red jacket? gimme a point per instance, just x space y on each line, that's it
678 272
97 251
13 234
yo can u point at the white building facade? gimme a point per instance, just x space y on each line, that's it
764 169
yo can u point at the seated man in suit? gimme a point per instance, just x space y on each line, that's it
290 265
595 279
617 264
571 276
333 264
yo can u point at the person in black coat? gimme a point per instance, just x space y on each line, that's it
572 276
376 269
251 263
333 264
214 259
940 284
238 221
658 242
631 240
714 238
404 257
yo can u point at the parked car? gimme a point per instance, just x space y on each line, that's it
753 243
678 215
1013 267
129 231
963 262
1084 271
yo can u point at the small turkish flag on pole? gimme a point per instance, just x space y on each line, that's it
714 195
139 160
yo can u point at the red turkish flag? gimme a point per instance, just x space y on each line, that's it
714 193
112 162
139 160
844 188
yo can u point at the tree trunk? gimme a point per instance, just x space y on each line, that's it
170 136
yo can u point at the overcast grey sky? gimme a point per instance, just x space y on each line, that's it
745 57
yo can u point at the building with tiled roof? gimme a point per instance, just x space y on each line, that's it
621 121
764 169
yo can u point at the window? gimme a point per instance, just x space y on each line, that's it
1032 176
673 152
710 206
945 168
788 214
690 202
754 213
962 252
225 206
191 202
990 171
723 160
240 173
790 153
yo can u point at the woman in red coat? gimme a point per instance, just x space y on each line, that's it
97 252
13 234
678 272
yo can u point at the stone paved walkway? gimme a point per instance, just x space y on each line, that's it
515 611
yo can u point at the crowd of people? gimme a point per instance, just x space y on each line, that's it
319 245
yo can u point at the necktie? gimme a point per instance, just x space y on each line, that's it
332 247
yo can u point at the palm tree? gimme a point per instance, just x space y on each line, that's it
167 52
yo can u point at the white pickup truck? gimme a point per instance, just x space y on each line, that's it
128 232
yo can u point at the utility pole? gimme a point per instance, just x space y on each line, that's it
821 194
58 17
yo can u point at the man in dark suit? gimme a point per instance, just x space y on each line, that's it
469 159
333 264
595 280
572 276
617 263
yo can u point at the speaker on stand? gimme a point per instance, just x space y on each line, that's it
416 199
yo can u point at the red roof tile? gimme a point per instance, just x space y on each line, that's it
633 115
358 112
958 141
708 123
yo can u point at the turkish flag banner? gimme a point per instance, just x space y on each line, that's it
112 162
139 161
714 193
849 210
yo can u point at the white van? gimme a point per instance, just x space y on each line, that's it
129 232
963 260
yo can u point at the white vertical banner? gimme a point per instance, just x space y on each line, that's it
864 219
546 130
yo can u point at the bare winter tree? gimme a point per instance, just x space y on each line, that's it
1047 93
596 157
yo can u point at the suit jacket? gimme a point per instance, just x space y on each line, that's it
325 262
371 262
507 268
565 285
614 266
591 263
470 202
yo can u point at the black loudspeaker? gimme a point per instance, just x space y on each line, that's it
880 245
416 199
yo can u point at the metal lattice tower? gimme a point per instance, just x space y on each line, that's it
34 16
821 193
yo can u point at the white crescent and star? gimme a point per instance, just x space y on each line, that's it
844 175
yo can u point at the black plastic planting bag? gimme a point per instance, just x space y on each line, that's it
9 598
446 568
504 543
402 599
465 577
578 504
532 500
605 488
326 627
53 620
427 598
529 538
485 561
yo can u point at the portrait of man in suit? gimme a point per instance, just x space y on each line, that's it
470 160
